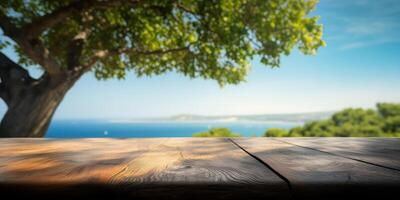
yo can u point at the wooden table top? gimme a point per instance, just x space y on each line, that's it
198 168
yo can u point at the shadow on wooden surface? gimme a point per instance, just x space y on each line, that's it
315 174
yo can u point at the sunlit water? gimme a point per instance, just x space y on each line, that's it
115 129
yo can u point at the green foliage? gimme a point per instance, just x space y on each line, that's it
392 124
217 132
215 39
391 114
276 132
295 132
388 110
384 122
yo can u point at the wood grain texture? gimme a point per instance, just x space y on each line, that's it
380 151
193 168
314 174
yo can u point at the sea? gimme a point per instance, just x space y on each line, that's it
149 129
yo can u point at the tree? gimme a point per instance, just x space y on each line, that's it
391 113
387 110
217 132
295 132
211 39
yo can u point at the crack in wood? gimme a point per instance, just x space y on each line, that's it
334 154
268 166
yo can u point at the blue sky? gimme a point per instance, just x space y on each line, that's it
359 67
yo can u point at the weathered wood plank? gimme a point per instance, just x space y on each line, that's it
68 161
379 151
134 168
314 174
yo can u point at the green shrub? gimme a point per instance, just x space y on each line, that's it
217 132
392 124
296 131
276 132
388 109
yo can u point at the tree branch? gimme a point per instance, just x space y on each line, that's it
75 49
12 76
11 71
49 20
41 55
105 53
32 47
8 28
182 7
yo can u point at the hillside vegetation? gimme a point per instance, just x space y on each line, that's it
351 122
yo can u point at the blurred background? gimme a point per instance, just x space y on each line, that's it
358 68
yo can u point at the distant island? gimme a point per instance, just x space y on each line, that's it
285 118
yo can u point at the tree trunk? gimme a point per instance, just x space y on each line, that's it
31 113
31 102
